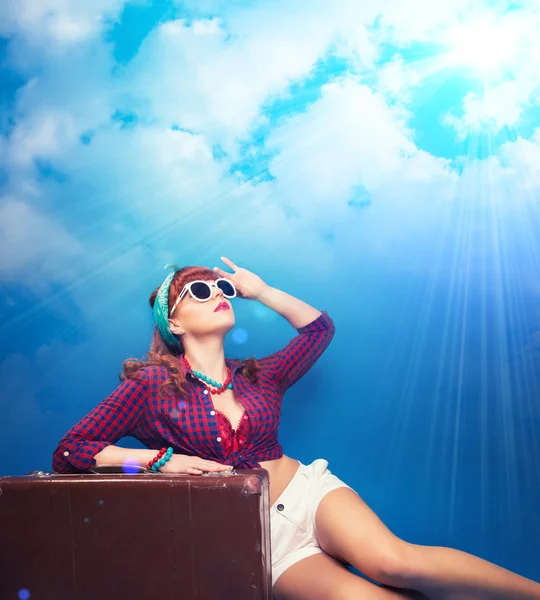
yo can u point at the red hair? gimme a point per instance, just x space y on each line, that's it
161 355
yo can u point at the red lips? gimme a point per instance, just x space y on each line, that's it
222 306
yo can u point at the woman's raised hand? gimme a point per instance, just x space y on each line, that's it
192 465
247 284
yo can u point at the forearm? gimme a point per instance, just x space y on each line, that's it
297 312
114 455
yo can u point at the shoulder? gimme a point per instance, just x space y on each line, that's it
151 374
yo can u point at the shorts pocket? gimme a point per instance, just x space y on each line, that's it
297 516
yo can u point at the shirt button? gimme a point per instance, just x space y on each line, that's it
66 453
212 412
219 439
205 392
280 507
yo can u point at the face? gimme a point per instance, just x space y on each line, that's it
193 318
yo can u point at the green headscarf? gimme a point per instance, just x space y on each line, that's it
161 310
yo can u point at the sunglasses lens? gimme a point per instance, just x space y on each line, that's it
201 290
226 288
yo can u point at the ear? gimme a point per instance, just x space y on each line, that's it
176 328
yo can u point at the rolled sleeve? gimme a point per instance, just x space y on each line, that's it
114 418
72 455
290 363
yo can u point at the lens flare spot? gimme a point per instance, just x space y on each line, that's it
130 466
101 502
86 520
24 594
240 336
262 312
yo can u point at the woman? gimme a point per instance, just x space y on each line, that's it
318 523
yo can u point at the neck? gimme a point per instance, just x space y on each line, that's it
207 356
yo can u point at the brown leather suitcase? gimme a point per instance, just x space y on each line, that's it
139 536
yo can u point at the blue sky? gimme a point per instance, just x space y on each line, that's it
372 158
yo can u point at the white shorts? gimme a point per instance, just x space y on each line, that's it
292 516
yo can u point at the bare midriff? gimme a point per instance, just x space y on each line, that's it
280 473
280 470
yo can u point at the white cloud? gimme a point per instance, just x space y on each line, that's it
149 170
349 137
34 250
396 79
56 22
502 105
496 107
214 75
43 134
523 158
418 20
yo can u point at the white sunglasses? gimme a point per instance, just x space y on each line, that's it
202 290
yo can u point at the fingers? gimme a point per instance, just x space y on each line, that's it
229 263
205 466
217 467
210 465
221 273
193 465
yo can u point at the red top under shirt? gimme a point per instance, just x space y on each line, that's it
189 422
232 440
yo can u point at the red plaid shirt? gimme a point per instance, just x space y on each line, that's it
188 423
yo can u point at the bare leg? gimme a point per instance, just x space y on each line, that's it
451 574
350 531
321 577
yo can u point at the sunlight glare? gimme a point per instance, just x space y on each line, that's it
484 44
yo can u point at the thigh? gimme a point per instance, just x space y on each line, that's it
322 577
350 531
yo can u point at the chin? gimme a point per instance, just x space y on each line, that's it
226 322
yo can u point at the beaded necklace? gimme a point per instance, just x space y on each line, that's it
214 387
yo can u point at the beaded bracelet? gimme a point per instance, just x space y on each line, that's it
164 455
